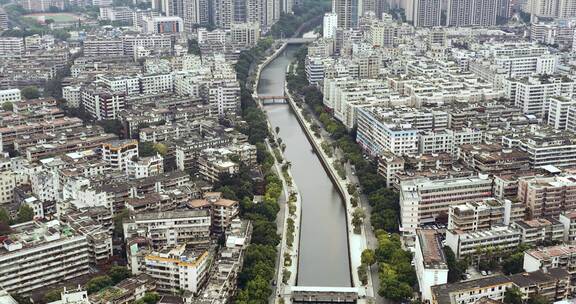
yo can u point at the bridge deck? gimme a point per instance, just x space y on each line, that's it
316 294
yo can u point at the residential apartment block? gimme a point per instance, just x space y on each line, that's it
422 200
37 255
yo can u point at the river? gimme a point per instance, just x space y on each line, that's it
323 241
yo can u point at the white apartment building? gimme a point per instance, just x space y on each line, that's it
315 69
544 147
499 61
129 85
558 108
426 13
397 130
447 140
568 219
9 179
245 34
492 288
532 94
145 167
11 46
472 12
540 230
171 228
330 23
382 34
389 165
466 244
119 153
422 199
224 97
483 214
163 25
95 46
157 43
429 262
571 119
10 95
37 254
178 268
552 8
156 83
561 256
72 95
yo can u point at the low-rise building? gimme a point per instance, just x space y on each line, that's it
423 199
540 231
178 268
430 262
471 291
468 244
171 228
548 196
222 210
543 258
36 255
484 214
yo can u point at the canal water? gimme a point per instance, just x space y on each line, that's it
323 241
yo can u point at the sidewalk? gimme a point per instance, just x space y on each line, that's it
291 251
357 242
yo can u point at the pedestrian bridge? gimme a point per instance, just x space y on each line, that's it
298 40
315 294
270 99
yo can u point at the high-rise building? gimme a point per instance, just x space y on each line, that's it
552 8
287 6
347 11
426 13
504 9
223 13
472 12
196 12
270 12
330 25
3 20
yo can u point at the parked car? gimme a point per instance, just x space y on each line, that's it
483 272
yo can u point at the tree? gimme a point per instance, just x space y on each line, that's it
118 273
4 216
513 263
8 106
538 299
30 92
193 47
113 126
357 219
119 221
368 257
455 268
161 148
98 283
52 295
277 129
146 149
21 299
25 214
264 233
513 295
149 298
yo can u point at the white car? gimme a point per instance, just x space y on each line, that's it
483 272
